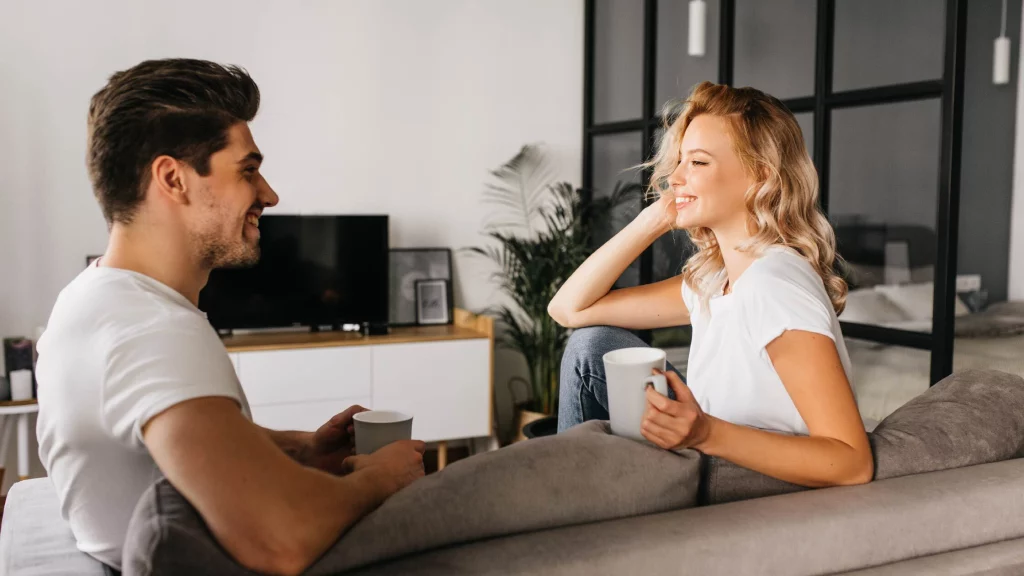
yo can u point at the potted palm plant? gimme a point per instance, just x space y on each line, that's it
543 232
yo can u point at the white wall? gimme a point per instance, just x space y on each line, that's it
370 106
1015 291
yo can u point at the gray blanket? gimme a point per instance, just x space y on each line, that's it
588 475
585 475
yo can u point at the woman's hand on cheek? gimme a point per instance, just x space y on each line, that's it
672 424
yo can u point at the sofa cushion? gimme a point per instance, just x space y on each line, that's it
584 475
971 417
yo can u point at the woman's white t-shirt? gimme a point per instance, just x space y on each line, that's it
729 371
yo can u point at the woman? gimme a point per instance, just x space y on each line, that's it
761 294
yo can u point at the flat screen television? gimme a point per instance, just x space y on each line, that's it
318 271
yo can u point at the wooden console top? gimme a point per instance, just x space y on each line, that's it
467 326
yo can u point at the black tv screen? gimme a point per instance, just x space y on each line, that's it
313 271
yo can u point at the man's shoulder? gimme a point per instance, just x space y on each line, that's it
117 305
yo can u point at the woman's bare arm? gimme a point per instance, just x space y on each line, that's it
837 451
586 298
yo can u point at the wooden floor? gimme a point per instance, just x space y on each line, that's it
455 453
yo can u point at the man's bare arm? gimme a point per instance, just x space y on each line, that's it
325 449
269 512
296 445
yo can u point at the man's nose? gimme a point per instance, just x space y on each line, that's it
268 197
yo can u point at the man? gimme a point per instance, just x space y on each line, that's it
135 383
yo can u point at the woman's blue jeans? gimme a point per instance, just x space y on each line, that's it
583 389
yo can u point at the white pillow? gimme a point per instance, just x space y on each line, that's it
869 306
916 299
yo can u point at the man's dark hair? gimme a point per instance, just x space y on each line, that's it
179 107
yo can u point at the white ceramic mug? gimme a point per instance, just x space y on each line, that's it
376 429
629 372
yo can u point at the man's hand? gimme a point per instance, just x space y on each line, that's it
672 424
332 443
395 466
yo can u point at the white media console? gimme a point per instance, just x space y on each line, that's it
442 375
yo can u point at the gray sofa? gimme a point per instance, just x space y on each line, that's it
947 499
961 521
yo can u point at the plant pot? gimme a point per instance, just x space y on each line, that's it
547 426
523 419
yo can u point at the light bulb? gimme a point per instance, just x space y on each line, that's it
698 27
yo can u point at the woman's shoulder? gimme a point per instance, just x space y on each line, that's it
783 263
780 268
784 292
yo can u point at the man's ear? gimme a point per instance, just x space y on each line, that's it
167 177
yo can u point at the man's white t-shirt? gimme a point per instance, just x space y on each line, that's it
120 348
729 371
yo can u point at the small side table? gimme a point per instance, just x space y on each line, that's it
9 412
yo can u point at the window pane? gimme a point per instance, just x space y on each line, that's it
615 156
881 42
882 201
987 154
678 72
886 377
618 60
670 253
775 46
806 122
676 344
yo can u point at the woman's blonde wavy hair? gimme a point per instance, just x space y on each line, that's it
782 205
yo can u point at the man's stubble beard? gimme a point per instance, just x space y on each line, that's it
216 252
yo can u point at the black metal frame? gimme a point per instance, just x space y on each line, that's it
950 89
948 217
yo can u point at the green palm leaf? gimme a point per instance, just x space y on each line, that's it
542 233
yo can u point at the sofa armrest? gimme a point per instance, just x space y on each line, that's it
35 539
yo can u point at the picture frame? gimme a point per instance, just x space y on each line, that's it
433 302
405 267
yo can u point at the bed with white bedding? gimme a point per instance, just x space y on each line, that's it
886 377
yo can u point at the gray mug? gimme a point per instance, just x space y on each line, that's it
378 428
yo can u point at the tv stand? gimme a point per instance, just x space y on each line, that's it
376 328
442 375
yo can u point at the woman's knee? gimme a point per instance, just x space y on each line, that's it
596 341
